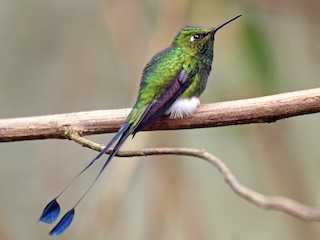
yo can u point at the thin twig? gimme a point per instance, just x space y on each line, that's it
278 203
255 110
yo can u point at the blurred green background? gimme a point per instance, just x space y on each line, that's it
68 56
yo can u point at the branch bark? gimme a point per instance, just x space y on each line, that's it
255 110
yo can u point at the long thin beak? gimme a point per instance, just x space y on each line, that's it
215 29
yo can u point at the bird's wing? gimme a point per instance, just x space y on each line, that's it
161 104
140 118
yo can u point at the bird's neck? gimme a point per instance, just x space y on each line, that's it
205 55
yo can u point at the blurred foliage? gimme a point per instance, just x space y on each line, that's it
259 53
69 56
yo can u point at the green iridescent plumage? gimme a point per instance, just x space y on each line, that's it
162 69
171 84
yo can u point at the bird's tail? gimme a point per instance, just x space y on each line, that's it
52 210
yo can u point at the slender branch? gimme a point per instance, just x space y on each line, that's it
278 203
254 110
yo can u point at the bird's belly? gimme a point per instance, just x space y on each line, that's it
183 107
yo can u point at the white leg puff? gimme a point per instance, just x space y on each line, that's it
183 107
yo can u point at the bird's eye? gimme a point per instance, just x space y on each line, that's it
196 37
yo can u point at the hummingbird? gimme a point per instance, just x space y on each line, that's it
171 84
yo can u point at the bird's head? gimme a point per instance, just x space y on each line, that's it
196 39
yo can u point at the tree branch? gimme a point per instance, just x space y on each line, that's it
278 203
254 110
